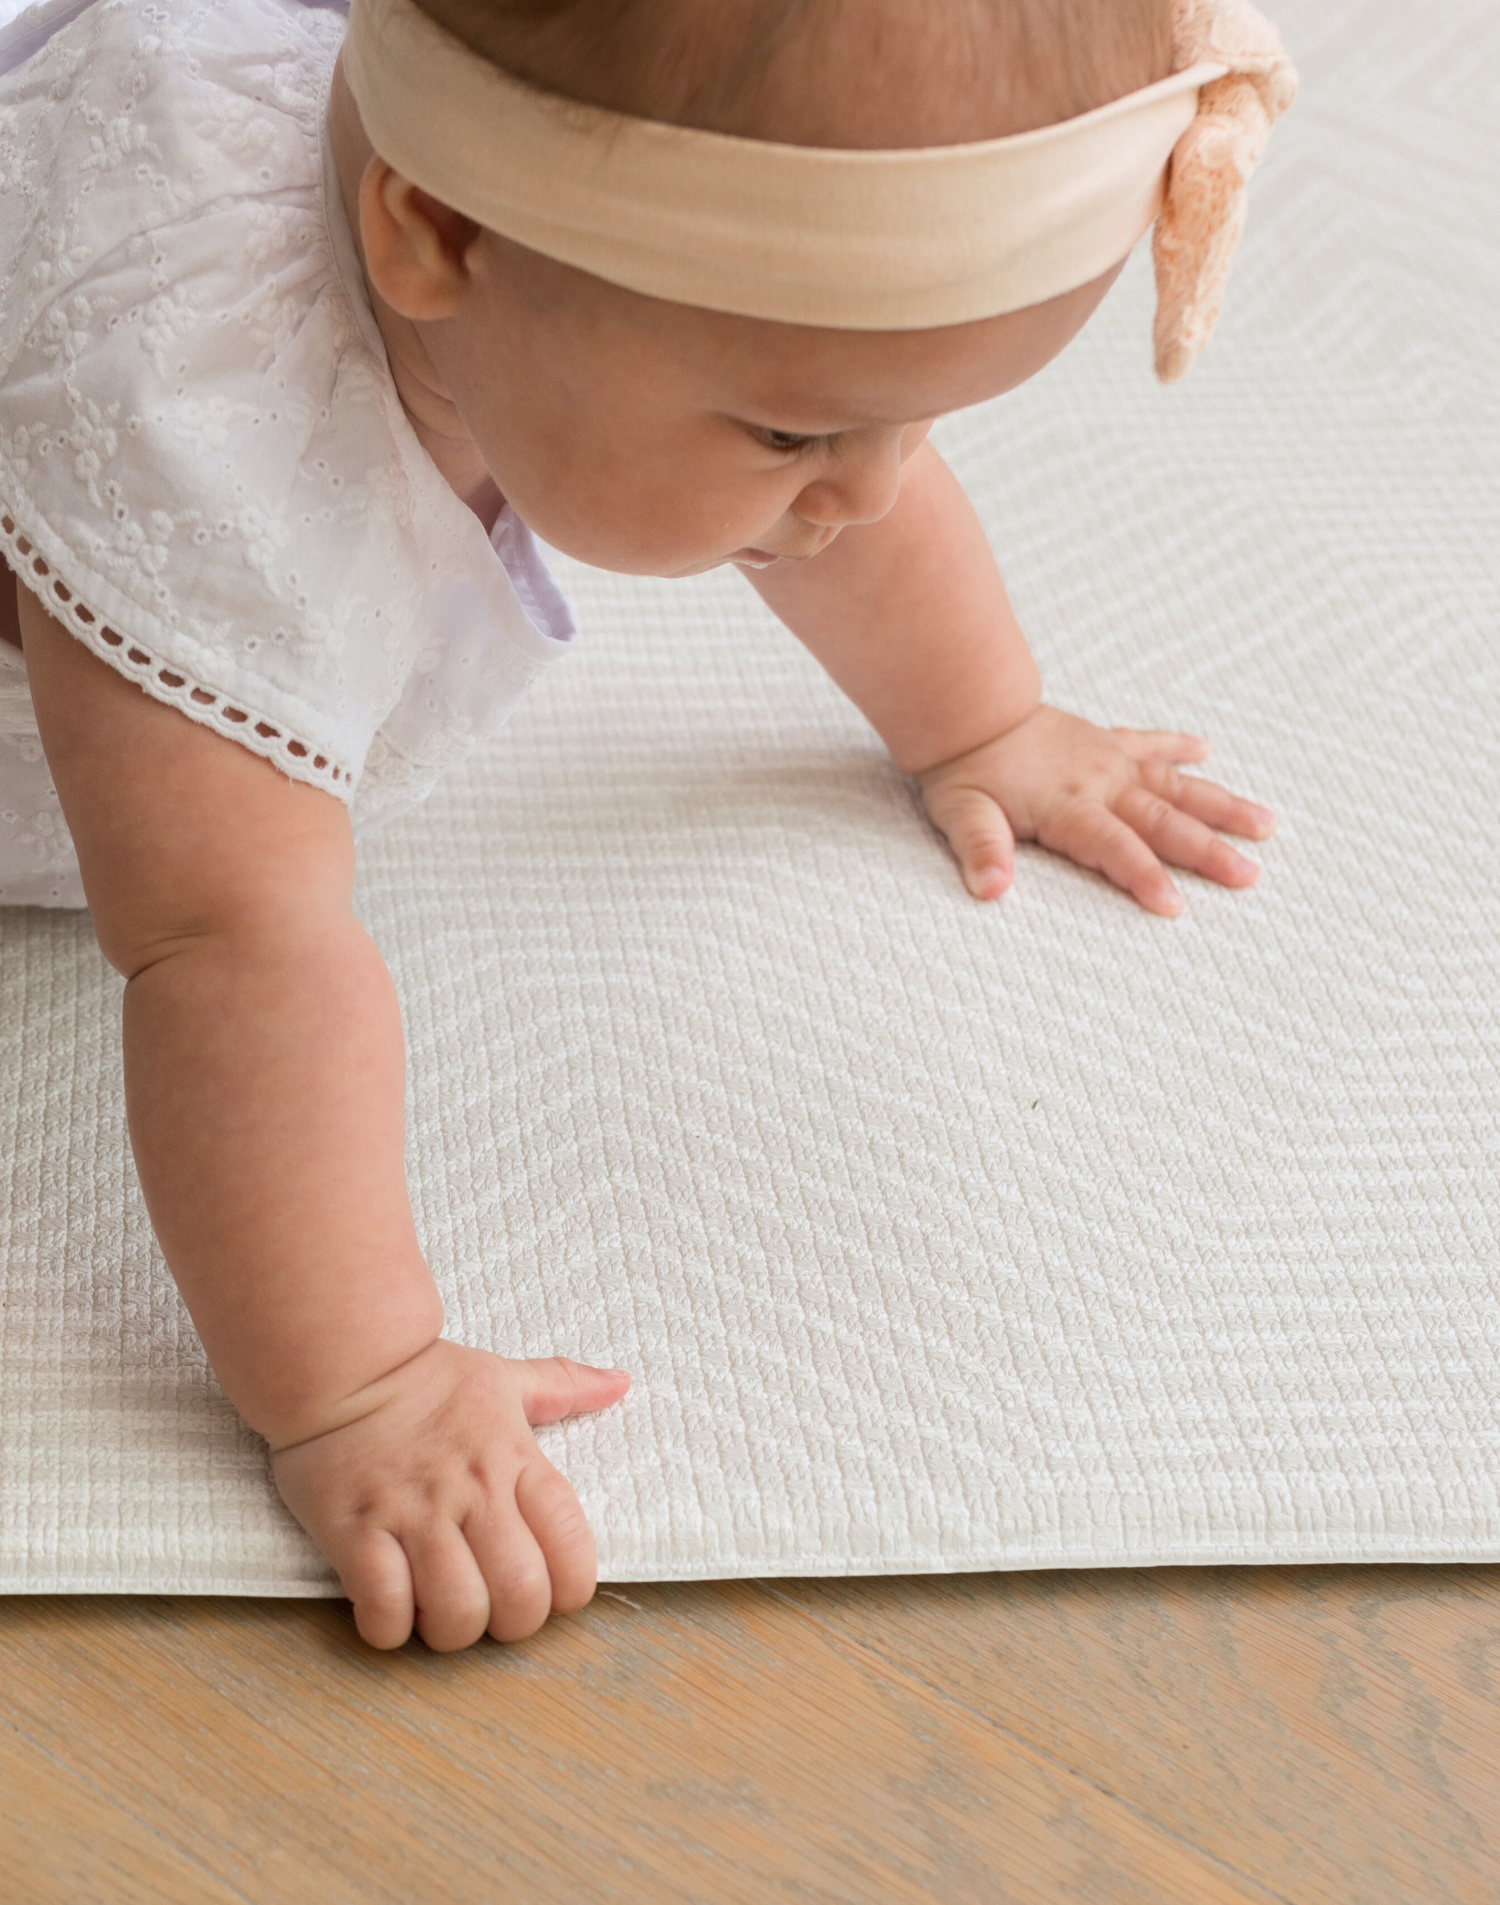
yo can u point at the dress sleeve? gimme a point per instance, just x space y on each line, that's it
205 470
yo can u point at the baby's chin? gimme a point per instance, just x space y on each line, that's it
752 557
625 554
679 572
616 556
739 560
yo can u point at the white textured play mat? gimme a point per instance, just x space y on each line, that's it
937 1235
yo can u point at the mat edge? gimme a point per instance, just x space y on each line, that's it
1447 1552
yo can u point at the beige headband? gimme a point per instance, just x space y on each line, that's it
854 240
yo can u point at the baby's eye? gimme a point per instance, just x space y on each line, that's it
786 442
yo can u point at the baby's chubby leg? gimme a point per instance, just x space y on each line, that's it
264 1084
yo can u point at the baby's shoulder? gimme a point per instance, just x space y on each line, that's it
198 431
131 121
202 449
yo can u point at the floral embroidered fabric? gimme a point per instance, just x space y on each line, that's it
205 471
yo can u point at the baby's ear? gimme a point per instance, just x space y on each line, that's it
416 248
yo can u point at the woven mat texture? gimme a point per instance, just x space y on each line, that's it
941 1236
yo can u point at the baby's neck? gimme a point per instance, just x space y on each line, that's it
434 416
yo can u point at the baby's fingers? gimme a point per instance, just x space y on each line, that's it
556 1386
562 1534
515 1571
452 1590
980 836
377 1578
1160 744
534 1551
1205 800
1181 840
1090 834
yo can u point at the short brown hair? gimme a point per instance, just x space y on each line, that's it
953 69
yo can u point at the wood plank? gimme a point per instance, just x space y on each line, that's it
703 1743
1332 1732
63 1842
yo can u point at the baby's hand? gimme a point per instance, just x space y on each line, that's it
1112 800
437 1507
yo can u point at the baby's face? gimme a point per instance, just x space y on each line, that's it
661 439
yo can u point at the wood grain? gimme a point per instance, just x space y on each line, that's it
1332 1732
63 1839
1216 1736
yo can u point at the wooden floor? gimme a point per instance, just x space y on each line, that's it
1304 1735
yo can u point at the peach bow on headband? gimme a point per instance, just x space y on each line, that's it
1204 210
907 239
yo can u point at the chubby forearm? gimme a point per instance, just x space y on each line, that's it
263 1048
909 615
264 1086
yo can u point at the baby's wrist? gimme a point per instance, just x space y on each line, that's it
973 736
325 1415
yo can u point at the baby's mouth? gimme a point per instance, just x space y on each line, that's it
765 558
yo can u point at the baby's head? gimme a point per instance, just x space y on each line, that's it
649 435
850 73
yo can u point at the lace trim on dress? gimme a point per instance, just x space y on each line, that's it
161 681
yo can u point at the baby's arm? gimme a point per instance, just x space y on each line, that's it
264 1066
910 617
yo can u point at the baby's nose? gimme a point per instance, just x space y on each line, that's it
859 489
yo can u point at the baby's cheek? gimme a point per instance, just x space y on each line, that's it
629 527
682 523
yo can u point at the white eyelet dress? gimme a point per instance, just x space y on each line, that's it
206 473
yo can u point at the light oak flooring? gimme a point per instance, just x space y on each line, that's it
1329 1736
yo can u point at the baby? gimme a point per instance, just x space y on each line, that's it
279 408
